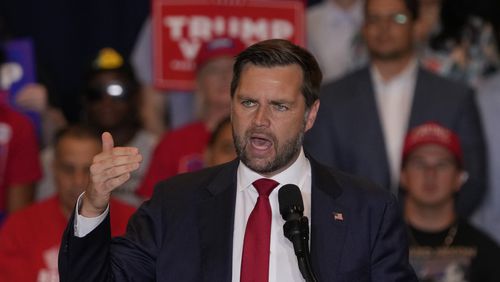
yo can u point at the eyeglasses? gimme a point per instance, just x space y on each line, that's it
396 18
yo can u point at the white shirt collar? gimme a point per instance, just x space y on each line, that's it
295 174
408 74
394 102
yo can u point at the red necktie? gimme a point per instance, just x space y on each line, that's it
255 259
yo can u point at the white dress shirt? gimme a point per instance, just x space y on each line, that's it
282 262
84 225
394 99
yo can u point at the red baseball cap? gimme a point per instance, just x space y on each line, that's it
218 47
433 133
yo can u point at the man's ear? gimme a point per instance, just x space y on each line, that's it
311 116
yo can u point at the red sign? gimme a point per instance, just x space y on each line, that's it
181 26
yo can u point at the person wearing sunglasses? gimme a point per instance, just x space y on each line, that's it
112 98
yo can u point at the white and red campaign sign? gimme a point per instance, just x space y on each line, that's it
181 26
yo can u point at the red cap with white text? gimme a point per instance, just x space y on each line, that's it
433 133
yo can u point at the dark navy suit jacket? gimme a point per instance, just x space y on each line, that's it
347 133
184 233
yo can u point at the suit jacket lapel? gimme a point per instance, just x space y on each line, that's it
328 224
216 218
374 147
421 99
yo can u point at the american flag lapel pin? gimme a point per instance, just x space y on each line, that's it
338 216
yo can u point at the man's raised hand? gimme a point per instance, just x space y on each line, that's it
110 169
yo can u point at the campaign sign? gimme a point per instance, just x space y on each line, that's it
181 26
19 54
18 71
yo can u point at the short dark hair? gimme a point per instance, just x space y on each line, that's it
280 52
78 131
412 6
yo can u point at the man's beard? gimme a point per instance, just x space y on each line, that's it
284 155
390 55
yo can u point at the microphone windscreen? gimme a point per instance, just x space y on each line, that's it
290 201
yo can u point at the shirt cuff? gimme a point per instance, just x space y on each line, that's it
84 225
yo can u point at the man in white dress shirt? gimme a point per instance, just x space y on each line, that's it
195 227
389 97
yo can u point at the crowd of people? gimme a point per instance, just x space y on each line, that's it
409 100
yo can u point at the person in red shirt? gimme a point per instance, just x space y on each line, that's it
30 238
182 150
19 160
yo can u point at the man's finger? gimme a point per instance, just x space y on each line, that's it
113 172
112 183
107 142
117 152
114 162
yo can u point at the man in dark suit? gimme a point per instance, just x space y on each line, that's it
213 225
365 115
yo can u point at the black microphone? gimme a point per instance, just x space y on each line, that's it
296 227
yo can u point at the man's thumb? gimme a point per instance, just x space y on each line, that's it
107 142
